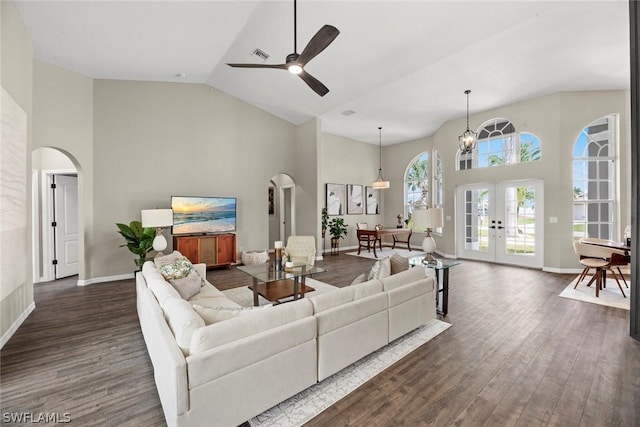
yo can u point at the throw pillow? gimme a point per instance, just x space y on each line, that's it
212 315
161 260
177 269
358 279
189 286
381 269
398 263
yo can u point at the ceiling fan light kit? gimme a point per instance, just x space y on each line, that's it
295 62
468 139
380 183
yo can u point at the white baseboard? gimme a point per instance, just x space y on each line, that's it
14 327
85 282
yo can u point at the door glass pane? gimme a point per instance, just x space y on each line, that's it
476 220
520 220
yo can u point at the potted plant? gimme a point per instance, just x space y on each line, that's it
139 240
337 229
325 221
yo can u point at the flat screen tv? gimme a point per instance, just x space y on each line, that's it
202 215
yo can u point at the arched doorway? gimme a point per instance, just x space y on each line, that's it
56 223
282 202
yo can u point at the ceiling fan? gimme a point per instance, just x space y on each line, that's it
295 62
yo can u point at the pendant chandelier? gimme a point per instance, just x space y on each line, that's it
468 139
380 183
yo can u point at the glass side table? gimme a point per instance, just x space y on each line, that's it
442 303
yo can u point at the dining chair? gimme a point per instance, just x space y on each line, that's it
365 240
599 258
618 262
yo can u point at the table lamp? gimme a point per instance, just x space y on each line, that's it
158 218
425 220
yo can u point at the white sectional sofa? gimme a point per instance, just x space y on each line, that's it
225 373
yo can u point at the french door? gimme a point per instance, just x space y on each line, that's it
501 222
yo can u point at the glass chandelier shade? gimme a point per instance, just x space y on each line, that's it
468 138
380 183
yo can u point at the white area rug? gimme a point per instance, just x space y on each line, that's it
609 296
385 252
307 404
244 295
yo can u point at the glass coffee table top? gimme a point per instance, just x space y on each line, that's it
440 264
267 273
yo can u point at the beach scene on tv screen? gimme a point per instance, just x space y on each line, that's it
192 215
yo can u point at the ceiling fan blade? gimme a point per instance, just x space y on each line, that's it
280 66
314 83
318 43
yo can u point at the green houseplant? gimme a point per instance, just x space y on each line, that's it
325 221
139 240
337 229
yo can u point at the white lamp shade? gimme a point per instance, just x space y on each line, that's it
437 217
157 218
427 218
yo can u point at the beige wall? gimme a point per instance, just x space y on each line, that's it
16 76
557 120
154 140
345 161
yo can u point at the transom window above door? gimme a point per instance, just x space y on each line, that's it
500 144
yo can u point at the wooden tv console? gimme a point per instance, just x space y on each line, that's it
214 250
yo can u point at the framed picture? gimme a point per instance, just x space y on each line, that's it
272 208
335 199
354 199
373 201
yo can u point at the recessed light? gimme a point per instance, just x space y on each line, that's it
180 75
348 112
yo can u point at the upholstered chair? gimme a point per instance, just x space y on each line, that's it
301 249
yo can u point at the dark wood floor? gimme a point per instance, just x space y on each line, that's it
517 354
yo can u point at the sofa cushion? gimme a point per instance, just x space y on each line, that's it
189 286
177 269
212 315
161 260
359 279
155 282
382 268
207 291
398 263
400 279
326 301
366 289
252 323
182 320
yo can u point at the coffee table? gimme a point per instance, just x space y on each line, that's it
442 304
276 285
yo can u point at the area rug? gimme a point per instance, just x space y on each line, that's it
609 296
244 296
307 404
385 252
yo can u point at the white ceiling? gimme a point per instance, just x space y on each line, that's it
402 65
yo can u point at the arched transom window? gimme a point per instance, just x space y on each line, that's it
499 144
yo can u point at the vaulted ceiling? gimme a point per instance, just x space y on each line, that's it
403 65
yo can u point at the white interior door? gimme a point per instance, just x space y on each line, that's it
66 225
502 222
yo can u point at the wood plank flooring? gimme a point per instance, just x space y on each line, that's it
517 354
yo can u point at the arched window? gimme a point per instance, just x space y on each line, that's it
416 183
499 144
594 182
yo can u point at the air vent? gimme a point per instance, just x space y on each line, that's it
348 112
260 54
